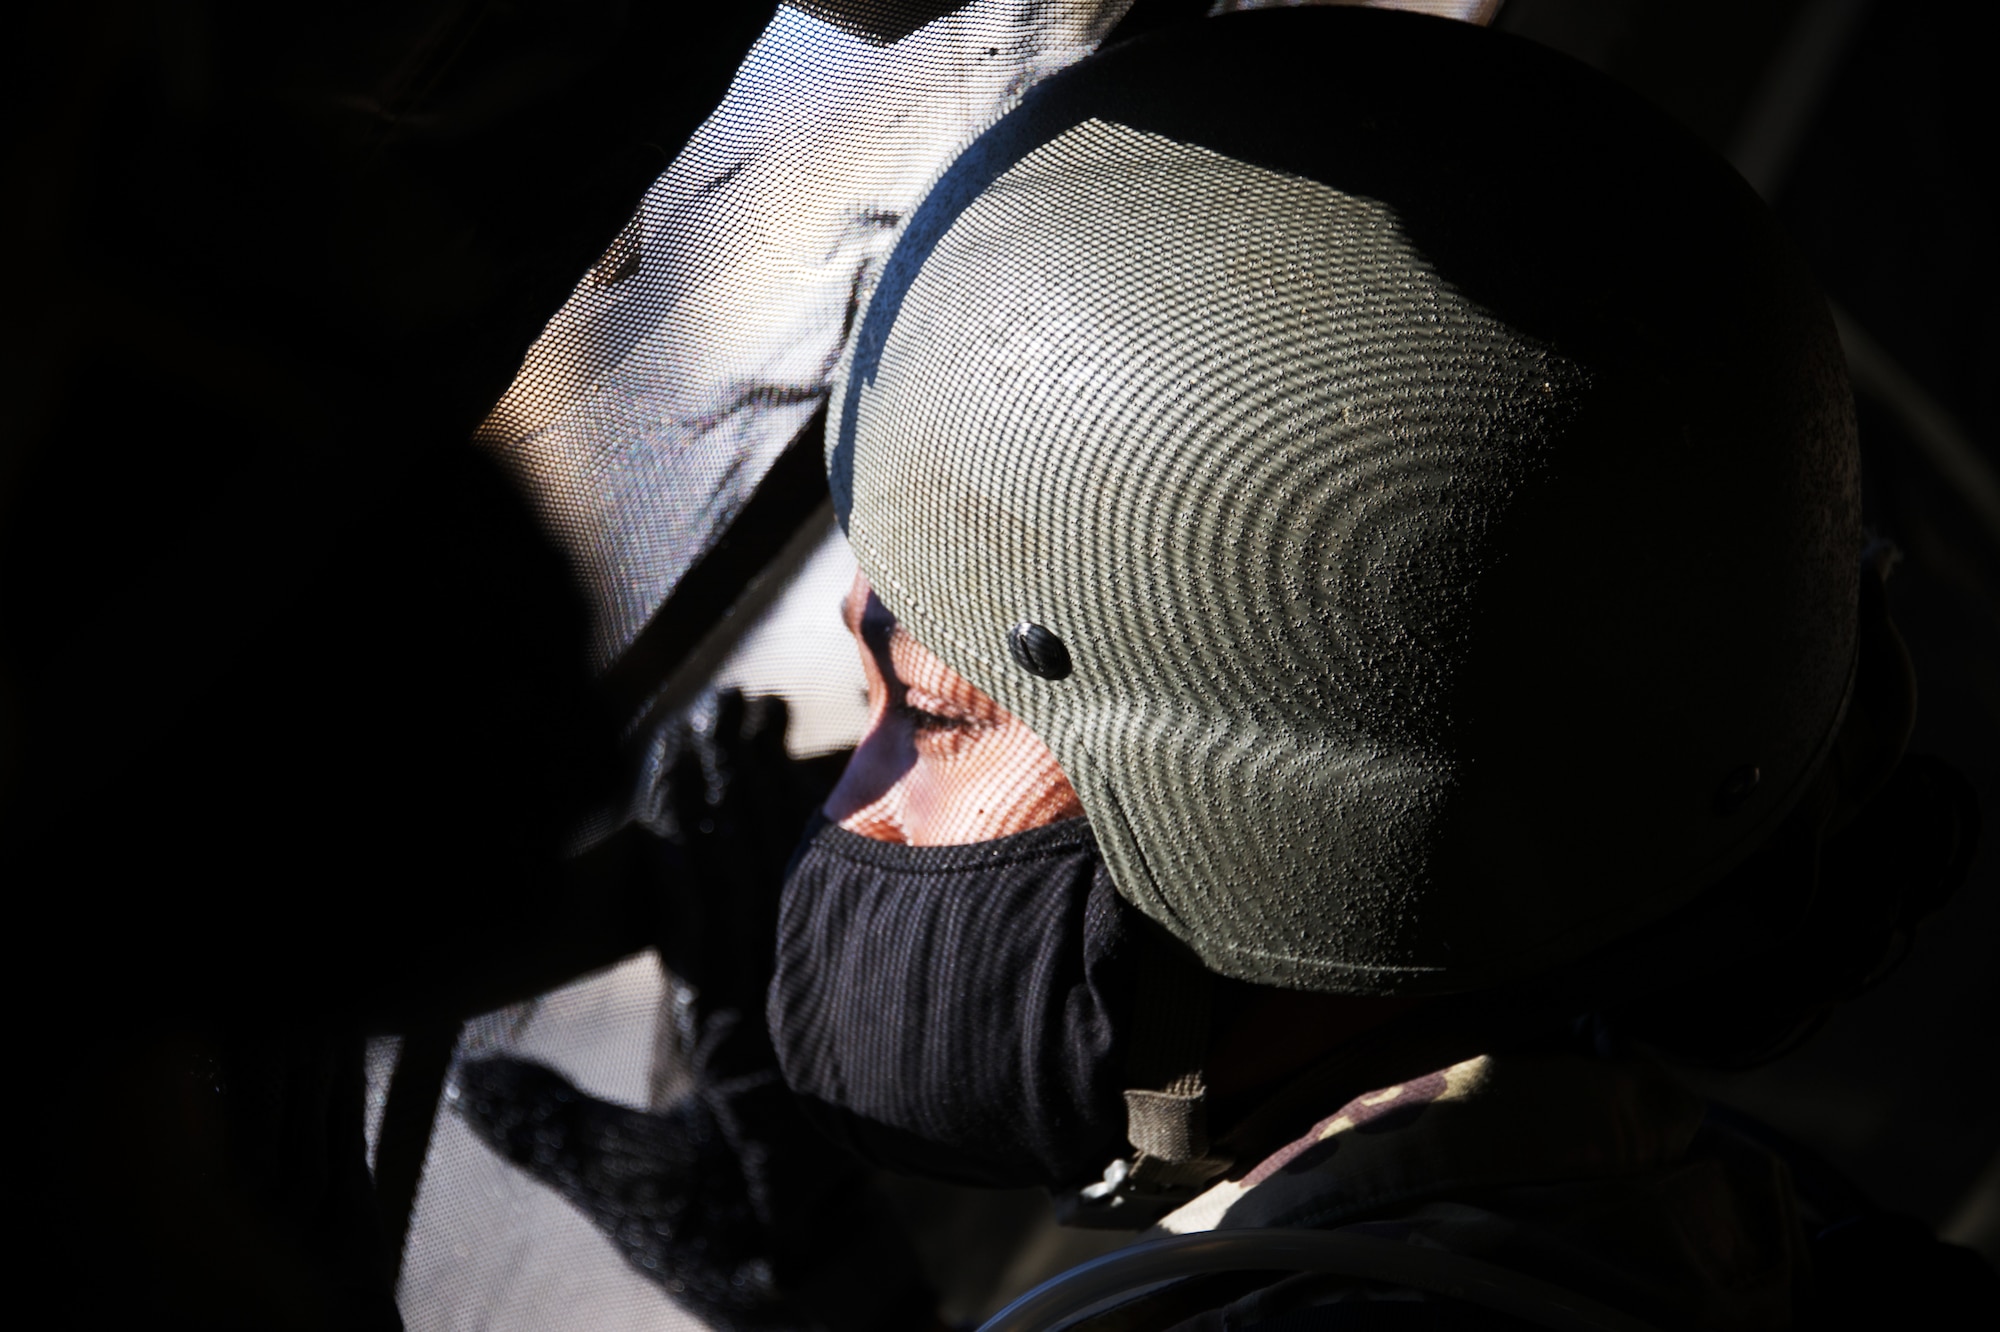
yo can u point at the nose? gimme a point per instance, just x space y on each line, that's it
871 797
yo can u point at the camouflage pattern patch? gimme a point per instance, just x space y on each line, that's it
1592 1173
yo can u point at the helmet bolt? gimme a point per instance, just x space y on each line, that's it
1736 788
1038 651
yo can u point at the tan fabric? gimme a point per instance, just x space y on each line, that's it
1595 1174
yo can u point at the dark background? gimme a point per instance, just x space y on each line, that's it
270 264
1868 127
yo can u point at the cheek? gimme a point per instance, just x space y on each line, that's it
993 783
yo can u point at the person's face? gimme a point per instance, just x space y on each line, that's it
941 763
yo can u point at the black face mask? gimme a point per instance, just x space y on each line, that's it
958 1011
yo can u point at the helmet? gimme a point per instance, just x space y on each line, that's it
1409 484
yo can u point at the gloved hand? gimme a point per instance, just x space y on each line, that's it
727 1197
726 806
680 1193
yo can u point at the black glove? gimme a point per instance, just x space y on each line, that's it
726 806
727 1198
677 1192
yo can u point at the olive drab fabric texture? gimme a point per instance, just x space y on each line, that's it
1436 469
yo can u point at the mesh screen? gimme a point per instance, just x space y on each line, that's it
488 1246
800 650
701 343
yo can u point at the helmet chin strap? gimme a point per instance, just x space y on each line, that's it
1166 1108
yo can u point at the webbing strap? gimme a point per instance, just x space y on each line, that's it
1166 1107
1166 1110
1169 1125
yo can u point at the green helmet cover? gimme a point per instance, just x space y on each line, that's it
1438 468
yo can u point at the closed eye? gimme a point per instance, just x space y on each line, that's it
922 720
